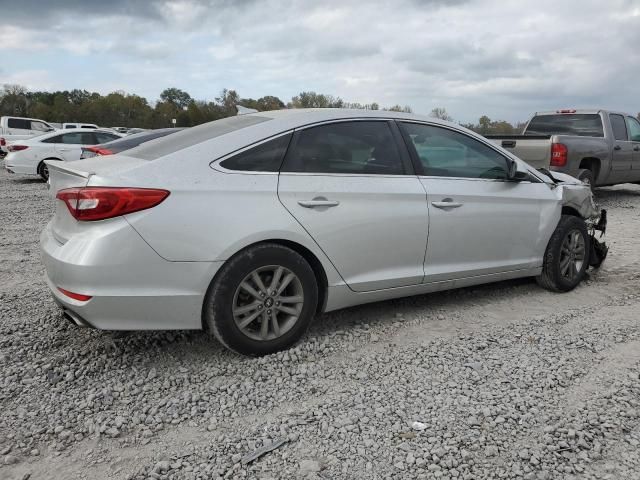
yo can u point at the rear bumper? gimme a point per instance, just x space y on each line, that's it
132 287
20 168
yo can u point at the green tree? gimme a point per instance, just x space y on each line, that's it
441 113
484 124
13 100
315 100
179 98
399 108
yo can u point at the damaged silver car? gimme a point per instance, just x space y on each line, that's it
249 226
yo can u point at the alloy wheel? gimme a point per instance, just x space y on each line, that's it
572 255
268 303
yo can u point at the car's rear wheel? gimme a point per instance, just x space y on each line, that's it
262 300
567 256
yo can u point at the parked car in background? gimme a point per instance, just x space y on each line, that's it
131 131
19 128
28 156
126 143
599 147
66 126
250 225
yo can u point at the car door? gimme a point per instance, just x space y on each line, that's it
622 153
479 222
350 185
634 135
69 146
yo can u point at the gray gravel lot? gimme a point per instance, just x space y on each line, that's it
507 381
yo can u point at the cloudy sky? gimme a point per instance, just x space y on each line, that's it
503 58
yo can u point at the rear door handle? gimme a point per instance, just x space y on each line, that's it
318 203
446 203
617 147
637 149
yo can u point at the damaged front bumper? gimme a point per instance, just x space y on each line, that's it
599 248
578 197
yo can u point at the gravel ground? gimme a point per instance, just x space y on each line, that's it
504 381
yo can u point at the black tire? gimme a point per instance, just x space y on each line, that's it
586 175
217 313
43 171
552 277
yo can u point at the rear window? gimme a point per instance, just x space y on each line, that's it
194 135
580 124
132 141
20 123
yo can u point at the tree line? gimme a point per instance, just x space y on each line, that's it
129 110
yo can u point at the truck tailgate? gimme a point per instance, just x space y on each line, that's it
535 151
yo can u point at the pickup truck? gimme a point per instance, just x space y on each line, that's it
599 147
20 128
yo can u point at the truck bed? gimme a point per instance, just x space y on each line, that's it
533 149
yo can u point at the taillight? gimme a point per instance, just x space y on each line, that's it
3 142
76 296
16 148
559 153
566 110
100 203
89 152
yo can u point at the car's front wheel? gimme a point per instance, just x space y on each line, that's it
567 256
262 300
43 171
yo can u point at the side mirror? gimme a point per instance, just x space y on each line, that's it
514 173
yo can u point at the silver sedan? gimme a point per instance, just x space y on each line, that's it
249 226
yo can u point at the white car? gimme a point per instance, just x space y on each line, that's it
13 129
27 156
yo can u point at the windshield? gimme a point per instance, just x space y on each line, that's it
582 125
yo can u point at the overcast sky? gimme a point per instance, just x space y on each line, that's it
502 58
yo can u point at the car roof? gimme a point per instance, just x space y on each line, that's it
261 125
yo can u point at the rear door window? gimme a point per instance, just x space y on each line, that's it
76 138
266 157
361 147
102 137
619 127
634 129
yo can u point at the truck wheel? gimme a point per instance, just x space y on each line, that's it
262 300
586 176
567 256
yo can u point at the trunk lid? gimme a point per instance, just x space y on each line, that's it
536 151
82 173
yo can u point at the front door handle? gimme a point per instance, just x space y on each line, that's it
318 202
446 203
637 149
617 147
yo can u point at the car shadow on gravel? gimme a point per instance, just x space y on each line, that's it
618 192
27 181
419 306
